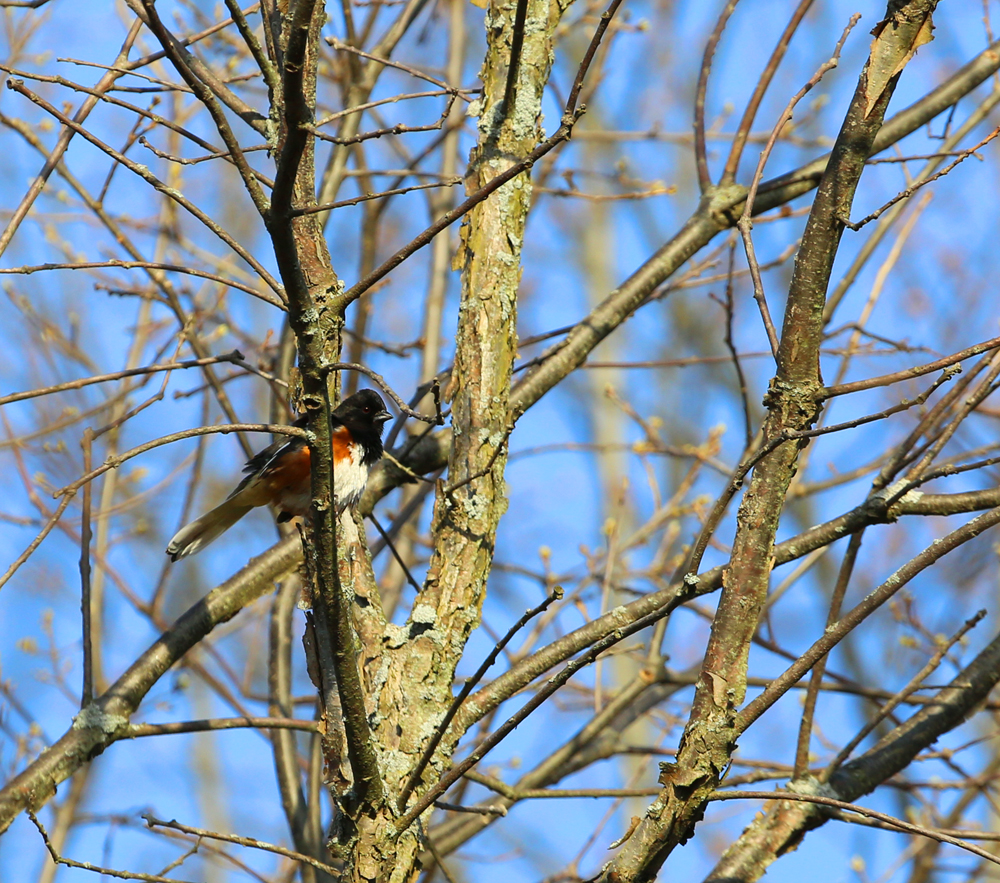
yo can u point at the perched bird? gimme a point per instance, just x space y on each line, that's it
279 475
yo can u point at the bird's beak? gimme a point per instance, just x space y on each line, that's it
382 416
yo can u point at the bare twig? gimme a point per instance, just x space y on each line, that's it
235 357
700 145
909 191
903 694
158 185
115 461
250 842
571 113
899 824
136 731
847 623
745 223
87 866
910 373
464 693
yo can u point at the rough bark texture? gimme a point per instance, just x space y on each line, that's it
409 683
793 402
781 828
316 317
384 688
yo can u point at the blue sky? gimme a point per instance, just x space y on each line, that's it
940 296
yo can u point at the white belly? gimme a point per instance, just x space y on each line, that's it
349 479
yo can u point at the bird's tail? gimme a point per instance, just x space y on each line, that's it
199 533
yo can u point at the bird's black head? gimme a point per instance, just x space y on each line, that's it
364 410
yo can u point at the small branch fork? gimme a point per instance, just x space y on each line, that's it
143 265
235 358
854 617
909 191
909 373
160 187
904 694
540 697
251 842
745 223
87 866
693 561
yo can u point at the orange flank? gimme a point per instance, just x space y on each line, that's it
290 472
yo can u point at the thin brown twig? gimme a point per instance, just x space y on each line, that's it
908 827
87 866
151 179
439 860
355 200
396 129
475 810
165 85
59 149
540 697
86 602
763 82
700 145
37 541
395 99
250 842
144 265
235 357
819 670
729 307
395 554
225 428
910 373
388 62
909 191
849 621
745 223
911 687
138 731
571 114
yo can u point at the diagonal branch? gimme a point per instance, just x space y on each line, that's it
106 720
211 103
151 179
783 825
718 212
55 156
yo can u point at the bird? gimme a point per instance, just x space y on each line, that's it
280 474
